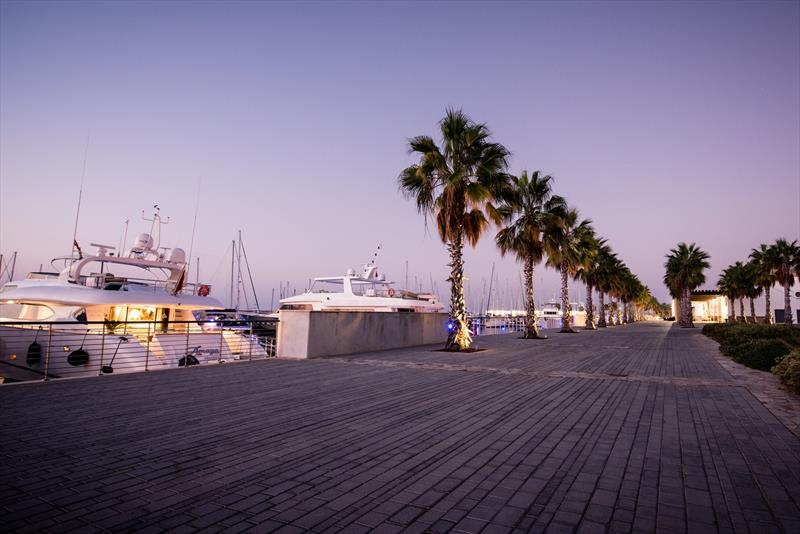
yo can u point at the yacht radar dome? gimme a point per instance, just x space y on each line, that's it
177 256
143 243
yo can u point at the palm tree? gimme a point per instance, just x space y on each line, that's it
684 272
590 275
569 248
727 284
607 265
457 185
765 265
530 214
752 288
785 255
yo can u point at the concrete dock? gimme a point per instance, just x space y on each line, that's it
637 428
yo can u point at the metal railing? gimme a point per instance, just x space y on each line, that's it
46 350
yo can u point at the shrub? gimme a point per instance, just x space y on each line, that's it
788 370
731 335
760 354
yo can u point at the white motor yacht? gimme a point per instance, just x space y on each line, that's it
104 313
368 291
551 314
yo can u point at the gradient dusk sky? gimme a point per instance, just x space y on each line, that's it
661 121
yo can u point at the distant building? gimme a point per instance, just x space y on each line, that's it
707 305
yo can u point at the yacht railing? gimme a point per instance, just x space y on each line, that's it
123 283
54 350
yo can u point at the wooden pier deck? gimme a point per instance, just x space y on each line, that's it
636 428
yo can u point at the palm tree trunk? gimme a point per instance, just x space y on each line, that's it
768 313
459 338
753 309
589 309
626 312
741 308
787 305
531 328
686 308
601 298
565 315
731 310
619 311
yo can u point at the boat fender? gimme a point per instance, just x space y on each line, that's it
34 355
188 360
391 292
79 356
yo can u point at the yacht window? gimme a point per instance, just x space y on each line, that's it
296 306
26 312
326 286
368 289
132 313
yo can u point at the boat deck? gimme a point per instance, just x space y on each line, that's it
628 429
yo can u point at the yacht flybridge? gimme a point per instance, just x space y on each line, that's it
367 291
136 311
86 289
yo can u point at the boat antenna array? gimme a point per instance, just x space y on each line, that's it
375 255
157 219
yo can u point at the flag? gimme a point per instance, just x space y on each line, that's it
179 283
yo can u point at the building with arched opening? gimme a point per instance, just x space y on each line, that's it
708 305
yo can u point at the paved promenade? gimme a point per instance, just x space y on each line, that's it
629 429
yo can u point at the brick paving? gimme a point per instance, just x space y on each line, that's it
630 429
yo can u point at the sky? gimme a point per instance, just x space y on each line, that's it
660 121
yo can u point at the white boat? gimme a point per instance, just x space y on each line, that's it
368 291
550 314
104 313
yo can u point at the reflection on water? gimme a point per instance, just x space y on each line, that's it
487 326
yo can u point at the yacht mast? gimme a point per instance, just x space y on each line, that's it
80 196
233 258
249 273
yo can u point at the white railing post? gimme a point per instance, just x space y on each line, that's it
47 354
147 348
250 342
102 349
221 341
186 357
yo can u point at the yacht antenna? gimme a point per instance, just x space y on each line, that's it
80 196
124 238
156 219
194 227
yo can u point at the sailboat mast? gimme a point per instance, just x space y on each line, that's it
491 283
249 273
233 260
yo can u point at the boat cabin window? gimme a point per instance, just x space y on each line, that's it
132 313
368 289
295 306
25 312
327 286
